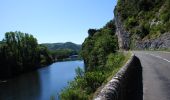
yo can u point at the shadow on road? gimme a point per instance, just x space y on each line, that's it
133 90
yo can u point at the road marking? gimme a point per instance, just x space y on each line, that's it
159 57
163 52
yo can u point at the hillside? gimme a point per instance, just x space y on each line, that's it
98 45
101 60
143 24
67 45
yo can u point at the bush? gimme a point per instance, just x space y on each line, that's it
73 94
93 80
165 16
86 83
114 60
131 22
79 72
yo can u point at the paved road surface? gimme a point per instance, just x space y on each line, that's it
156 74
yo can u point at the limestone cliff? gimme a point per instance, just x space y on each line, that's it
122 34
143 24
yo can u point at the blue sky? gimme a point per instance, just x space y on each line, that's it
53 21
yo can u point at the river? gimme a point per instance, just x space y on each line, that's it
43 84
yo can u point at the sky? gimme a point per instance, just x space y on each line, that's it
52 21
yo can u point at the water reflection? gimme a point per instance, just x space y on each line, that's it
41 84
21 88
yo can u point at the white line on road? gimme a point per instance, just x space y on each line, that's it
163 52
159 57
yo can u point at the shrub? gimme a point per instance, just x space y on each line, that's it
73 94
93 80
131 22
114 60
86 83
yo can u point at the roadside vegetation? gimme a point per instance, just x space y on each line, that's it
101 62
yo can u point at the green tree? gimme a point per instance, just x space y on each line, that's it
96 48
20 52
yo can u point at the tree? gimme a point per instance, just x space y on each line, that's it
96 48
20 52
91 32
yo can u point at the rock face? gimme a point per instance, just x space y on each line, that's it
139 20
163 42
122 34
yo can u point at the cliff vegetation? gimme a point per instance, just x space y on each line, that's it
144 19
101 61
19 53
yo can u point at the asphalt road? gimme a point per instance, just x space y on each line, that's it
156 74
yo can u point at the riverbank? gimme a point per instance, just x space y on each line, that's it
87 84
4 80
68 59
40 84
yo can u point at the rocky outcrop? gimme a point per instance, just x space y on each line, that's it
163 42
139 20
122 34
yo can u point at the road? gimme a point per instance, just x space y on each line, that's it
156 74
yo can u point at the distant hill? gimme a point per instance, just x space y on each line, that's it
58 46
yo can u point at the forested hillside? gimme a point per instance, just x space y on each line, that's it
98 45
58 46
101 61
146 22
20 52
62 51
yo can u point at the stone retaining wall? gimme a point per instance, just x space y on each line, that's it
126 84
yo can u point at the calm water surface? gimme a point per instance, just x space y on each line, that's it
42 84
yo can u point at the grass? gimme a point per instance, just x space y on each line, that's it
127 57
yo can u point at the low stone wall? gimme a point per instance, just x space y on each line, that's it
126 84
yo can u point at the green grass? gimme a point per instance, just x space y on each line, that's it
127 57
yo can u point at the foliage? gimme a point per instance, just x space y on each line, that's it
144 18
79 72
82 88
96 48
114 60
91 32
73 94
111 25
101 59
62 54
20 52
130 22
62 46
62 51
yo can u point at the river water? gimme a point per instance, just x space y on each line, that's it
43 84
